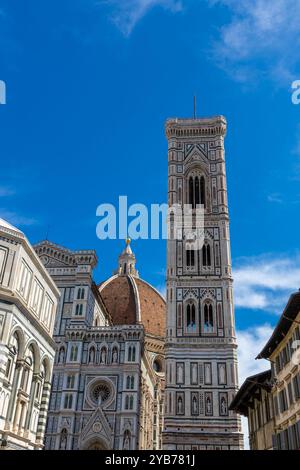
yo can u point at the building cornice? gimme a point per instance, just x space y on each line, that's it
204 127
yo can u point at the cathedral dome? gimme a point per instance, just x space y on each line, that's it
130 300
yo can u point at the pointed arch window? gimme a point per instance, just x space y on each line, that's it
202 191
190 258
191 318
68 401
191 192
74 353
208 318
130 382
197 192
206 255
131 354
131 402
79 310
80 293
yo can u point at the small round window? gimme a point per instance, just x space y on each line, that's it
158 364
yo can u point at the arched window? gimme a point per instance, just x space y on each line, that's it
74 353
208 318
70 381
206 255
197 192
68 401
128 382
131 402
191 192
202 191
190 258
129 354
79 294
127 403
132 382
191 318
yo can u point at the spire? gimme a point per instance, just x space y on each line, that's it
127 261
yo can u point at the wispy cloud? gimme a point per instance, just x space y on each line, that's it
275 197
16 219
265 282
161 288
250 342
261 36
6 191
127 13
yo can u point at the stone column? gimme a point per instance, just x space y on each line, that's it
43 413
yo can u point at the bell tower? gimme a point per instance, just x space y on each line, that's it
201 359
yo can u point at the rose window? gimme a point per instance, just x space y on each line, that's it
100 393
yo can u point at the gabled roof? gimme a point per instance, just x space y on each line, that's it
6 225
283 326
248 390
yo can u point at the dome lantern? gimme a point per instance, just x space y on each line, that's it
127 261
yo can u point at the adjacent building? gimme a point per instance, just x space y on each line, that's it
28 302
254 400
271 400
201 357
283 351
108 381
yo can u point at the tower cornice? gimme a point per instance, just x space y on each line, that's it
214 126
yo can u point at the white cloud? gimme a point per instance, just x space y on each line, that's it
266 282
127 13
16 219
261 35
250 343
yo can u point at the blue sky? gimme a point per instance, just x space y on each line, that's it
89 86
